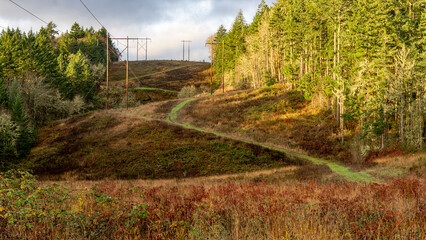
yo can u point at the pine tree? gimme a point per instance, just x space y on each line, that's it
80 77
19 116
261 10
3 94
44 58
77 32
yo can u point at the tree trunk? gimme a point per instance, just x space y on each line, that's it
335 76
342 97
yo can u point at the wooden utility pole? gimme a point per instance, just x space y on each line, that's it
127 75
223 66
107 71
183 51
125 63
146 48
189 49
211 65
143 46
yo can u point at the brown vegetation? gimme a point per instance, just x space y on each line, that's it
114 145
271 115
251 210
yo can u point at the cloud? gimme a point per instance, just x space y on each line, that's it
167 22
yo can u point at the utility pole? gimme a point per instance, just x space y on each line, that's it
125 63
211 65
127 75
107 71
143 46
189 49
146 48
223 66
183 50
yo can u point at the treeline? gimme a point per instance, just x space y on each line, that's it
44 77
365 60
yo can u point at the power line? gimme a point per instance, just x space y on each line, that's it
92 14
32 14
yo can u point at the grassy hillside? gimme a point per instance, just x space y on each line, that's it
272 115
169 75
186 184
151 81
115 145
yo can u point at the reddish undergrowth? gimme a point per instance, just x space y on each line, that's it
310 210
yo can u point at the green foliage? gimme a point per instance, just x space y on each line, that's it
3 94
9 134
80 77
344 52
19 115
261 11
188 91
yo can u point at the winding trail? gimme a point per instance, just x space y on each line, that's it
335 167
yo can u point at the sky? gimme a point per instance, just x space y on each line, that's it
166 22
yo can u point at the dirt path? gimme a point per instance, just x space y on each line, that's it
335 167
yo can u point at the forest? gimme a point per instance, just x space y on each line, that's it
45 76
363 60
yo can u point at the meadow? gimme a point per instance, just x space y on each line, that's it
258 209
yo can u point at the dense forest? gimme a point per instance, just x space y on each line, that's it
44 77
364 60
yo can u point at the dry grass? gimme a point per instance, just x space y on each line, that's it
152 81
394 166
227 210
271 115
169 75
120 144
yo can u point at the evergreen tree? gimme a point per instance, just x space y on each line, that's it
261 10
80 77
77 32
3 94
44 58
19 116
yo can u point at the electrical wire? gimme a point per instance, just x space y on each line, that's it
93 15
32 14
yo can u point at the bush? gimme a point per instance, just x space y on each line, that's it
45 103
188 91
9 134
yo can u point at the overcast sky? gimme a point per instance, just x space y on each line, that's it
167 22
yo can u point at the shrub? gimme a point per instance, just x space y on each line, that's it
188 91
9 134
44 103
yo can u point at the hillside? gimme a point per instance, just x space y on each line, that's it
123 145
275 115
193 183
151 81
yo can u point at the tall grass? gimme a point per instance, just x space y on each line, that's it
395 210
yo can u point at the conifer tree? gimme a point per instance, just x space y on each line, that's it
80 77
19 116
3 94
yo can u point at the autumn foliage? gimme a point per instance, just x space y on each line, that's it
246 210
